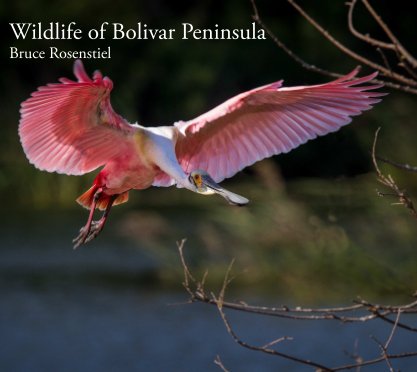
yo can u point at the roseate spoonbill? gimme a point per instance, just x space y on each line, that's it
70 127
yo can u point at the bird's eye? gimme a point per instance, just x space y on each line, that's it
197 177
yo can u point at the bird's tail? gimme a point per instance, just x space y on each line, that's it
86 199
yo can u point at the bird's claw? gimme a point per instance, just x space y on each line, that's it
88 233
81 237
96 227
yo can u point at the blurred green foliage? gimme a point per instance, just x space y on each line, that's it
290 235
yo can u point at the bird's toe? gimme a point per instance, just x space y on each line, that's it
96 227
81 237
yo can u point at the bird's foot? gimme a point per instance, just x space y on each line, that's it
88 233
82 236
96 227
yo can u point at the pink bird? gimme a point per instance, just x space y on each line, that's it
70 127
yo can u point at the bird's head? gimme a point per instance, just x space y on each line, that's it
198 179
205 185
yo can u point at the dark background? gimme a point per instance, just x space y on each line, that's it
315 231
158 82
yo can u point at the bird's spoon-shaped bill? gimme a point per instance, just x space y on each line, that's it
231 197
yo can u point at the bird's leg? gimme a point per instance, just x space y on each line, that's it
85 230
97 226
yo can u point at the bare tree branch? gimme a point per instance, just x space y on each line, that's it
375 361
198 293
266 348
366 38
397 45
402 166
361 310
395 80
287 50
398 77
404 57
384 58
394 328
219 363
389 182
396 323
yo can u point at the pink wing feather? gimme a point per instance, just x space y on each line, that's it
267 121
71 127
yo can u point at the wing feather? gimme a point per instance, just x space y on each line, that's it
70 127
270 120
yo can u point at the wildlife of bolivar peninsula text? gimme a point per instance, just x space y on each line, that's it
116 31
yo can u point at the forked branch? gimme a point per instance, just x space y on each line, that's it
389 182
402 81
198 293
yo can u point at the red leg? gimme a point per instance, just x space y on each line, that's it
97 226
85 231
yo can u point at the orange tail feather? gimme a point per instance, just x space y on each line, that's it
86 199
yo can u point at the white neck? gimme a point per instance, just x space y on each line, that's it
160 146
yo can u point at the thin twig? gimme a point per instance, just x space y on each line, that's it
384 348
410 59
389 182
384 354
262 349
375 361
393 309
403 166
277 341
187 274
394 328
384 59
377 311
351 53
287 50
403 88
366 38
396 323
219 363
404 57
219 300
310 67
407 68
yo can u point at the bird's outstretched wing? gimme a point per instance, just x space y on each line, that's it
269 120
70 127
